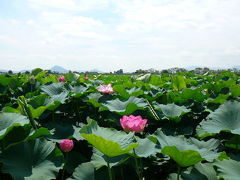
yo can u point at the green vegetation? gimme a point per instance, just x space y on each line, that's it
192 131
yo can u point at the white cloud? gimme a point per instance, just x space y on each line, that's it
128 34
143 15
69 5
232 51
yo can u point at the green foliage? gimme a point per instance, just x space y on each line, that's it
31 160
184 111
108 141
178 82
225 118
228 169
85 171
10 120
182 158
200 172
125 107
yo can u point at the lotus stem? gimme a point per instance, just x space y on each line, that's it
137 166
152 110
26 111
109 171
64 167
122 173
178 173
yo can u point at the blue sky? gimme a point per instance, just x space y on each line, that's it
109 35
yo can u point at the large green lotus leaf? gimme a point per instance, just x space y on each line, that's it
219 85
93 98
34 134
99 159
63 131
155 93
207 149
178 82
228 169
56 91
54 88
74 159
121 90
135 91
84 171
78 90
48 79
146 147
10 120
125 107
36 113
187 94
40 75
182 158
200 172
235 90
108 141
219 100
225 118
72 76
38 100
4 80
17 135
172 111
31 160
36 71
22 133
11 110
156 80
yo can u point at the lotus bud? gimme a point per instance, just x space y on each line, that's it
66 145
61 79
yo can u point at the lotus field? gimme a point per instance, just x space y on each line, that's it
183 126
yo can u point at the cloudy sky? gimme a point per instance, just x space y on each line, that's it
128 34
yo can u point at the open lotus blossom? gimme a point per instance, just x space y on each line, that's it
133 123
86 78
61 79
106 88
66 145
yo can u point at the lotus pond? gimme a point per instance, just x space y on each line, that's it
184 126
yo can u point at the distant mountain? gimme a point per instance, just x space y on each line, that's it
59 69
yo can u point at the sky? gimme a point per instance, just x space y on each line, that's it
126 34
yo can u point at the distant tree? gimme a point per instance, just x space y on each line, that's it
10 72
164 71
120 71
140 71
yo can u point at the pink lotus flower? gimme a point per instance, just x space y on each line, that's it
133 123
66 145
86 78
106 88
61 79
